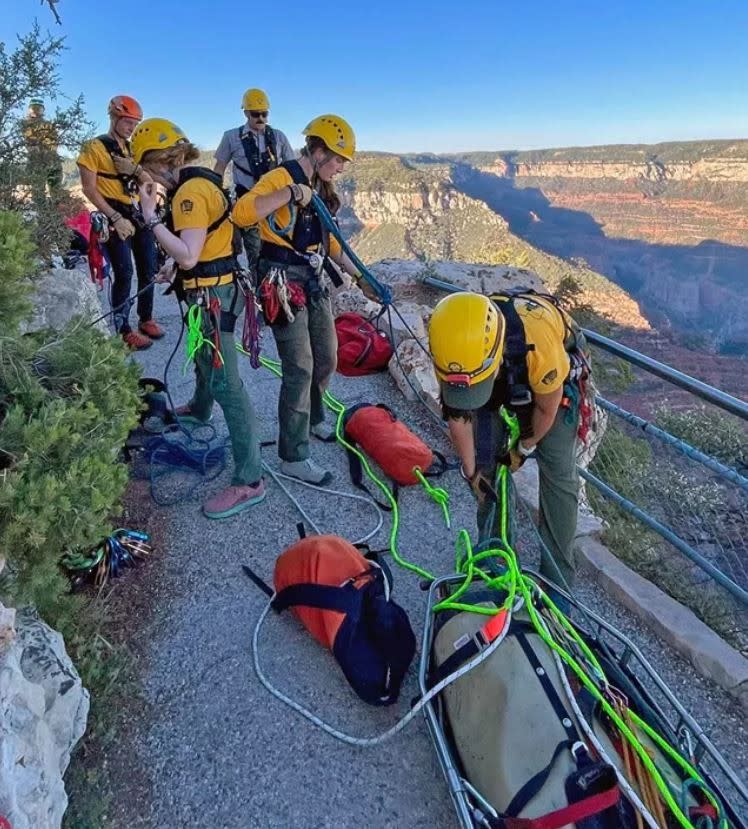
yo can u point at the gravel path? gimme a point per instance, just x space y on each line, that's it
209 746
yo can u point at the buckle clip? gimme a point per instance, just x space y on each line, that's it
521 397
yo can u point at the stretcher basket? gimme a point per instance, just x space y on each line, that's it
473 809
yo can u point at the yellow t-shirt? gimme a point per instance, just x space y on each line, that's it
94 156
545 329
39 134
245 215
197 204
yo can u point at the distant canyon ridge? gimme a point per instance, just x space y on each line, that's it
666 222
648 231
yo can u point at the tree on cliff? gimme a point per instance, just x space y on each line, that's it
30 70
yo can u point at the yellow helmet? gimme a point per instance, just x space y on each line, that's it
336 132
154 134
466 340
255 99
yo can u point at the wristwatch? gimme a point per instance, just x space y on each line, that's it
525 451
156 220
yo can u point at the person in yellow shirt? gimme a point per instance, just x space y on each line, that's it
294 259
115 194
41 139
523 353
203 247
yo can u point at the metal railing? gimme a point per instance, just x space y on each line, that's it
673 510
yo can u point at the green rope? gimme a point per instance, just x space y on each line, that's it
195 337
438 495
338 409
512 580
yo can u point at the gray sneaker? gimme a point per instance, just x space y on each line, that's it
324 432
306 471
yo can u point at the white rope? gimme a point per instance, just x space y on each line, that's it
367 742
279 477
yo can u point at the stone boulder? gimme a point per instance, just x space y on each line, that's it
414 375
402 274
43 713
352 300
59 295
410 322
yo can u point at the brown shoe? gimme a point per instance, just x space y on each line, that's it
136 342
151 329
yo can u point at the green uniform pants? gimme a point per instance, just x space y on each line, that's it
224 386
556 456
308 351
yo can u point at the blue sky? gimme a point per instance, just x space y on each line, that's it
417 76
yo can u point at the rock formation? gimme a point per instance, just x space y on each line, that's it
43 712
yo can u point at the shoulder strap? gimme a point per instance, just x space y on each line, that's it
320 596
217 181
296 171
111 145
271 142
514 364
115 151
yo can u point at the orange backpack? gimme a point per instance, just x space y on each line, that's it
343 599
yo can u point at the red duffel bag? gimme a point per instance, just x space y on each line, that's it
389 442
361 348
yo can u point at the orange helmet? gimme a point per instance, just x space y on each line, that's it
123 106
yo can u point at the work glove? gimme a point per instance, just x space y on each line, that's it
301 194
479 484
126 166
166 272
366 289
513 459
123 227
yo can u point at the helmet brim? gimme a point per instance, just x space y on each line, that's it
467 398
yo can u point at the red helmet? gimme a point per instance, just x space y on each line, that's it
123 106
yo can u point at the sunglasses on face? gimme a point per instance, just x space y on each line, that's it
255 114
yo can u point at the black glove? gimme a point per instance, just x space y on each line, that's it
513 459
479 484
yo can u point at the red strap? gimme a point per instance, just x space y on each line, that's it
707 810
569 814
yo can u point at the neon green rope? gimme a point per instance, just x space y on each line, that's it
338 409
195 337
512 581
438 495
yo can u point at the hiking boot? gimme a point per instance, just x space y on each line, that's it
234 499
306 471
186 418
151 329
136 341
324 432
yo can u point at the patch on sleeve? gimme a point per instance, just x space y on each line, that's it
186 206
550 377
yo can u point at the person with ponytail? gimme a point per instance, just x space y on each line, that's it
197 235
294 288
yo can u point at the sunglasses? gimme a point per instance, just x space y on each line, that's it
256 114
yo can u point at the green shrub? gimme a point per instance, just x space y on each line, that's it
16 267
713 432
67 404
